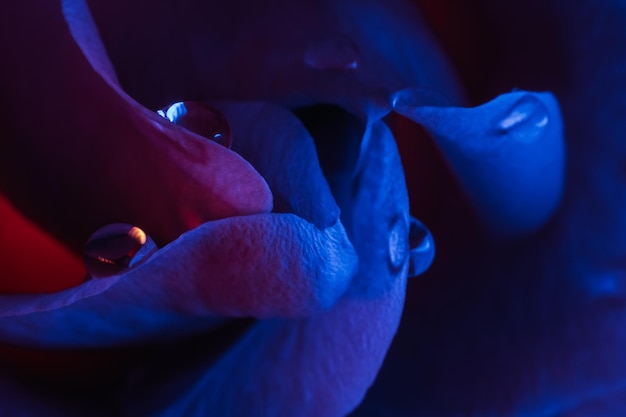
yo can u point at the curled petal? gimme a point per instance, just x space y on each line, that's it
278 145
539 323
94 155
508 154
266 265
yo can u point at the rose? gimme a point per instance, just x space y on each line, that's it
148 301
535 328
386 80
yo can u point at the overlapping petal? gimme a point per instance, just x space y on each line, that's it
94 155
322 365
516 315
264 266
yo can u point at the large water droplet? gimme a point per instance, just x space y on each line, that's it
334 52
115 247
421 246
398 243
201 119
526 119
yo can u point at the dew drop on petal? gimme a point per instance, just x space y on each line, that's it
398 248
526 119
421 248
334 52
115 247
201 119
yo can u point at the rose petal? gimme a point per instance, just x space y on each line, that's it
319 366
276 143
508 154
267 265
93 154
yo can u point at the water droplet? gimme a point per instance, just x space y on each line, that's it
413 97
335 52
115 247
398 243
526 119
201 119
421 248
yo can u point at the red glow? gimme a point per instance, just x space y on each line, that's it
31 261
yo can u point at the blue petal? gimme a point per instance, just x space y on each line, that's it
536 328
319 366
508 154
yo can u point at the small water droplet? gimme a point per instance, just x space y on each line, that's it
201 119
526 119
335 52
398 243
115 247
421 248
